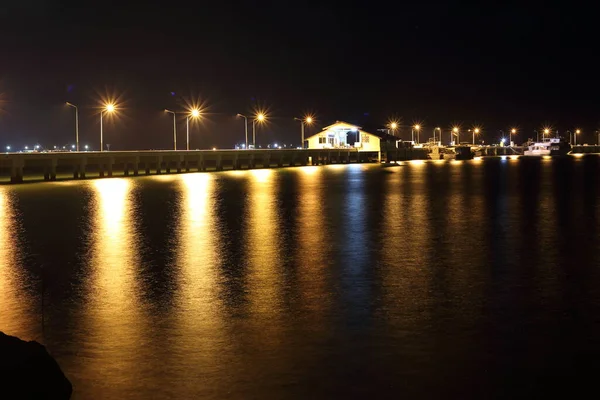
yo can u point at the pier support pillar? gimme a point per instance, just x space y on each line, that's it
200 161
178 164
82 166
136 166
219 163
109 166
158 164
279 161
16 170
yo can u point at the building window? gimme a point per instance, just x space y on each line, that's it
365 138
322 140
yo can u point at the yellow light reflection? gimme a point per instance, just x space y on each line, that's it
417 162
336 166
514 157
310 170
261 175
313 234
577 155
18 313
113 309
197 259
264 246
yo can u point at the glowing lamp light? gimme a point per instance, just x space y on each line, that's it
393 125
578 131
87 147
195 113
309 120
476 130
546 131
417 127
513 130
260 117
455 129
110 107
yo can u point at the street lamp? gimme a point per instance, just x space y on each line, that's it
7 148
76 124
260 117
513 131
437 129
194 113
417 128
308 120
456 132
109 108
475 132
546 132
174 128
393 127
245 126
577 132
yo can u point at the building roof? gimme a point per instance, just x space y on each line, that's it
342 125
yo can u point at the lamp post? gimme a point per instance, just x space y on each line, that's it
245 126
418 129
475 132
577 132
195 113
546 131
437 129
260 117
109 108
393 127
307 120
456 132
76 124
174 128
513 131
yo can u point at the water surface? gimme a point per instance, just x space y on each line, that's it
475 279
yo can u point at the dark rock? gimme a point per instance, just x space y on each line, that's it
27 371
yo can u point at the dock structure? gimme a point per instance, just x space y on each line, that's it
21 167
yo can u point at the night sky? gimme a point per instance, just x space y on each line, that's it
362 62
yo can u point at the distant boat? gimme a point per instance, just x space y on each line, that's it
550 147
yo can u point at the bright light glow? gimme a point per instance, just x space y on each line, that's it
195 113
477 158
26 147
578 131
309 120
214 148
548 158
87 147
476 130
417 162
393 125
503 157
546 131
37 146
514 157
513 130
109 107
503 140
417 127
260 117
578 155
455 129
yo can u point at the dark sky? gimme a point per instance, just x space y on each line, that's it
363 62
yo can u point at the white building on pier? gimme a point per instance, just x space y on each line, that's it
344 135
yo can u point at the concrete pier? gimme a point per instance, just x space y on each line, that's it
20 167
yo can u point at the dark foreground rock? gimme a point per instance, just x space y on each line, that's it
27 371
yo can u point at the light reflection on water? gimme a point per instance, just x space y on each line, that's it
308 282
